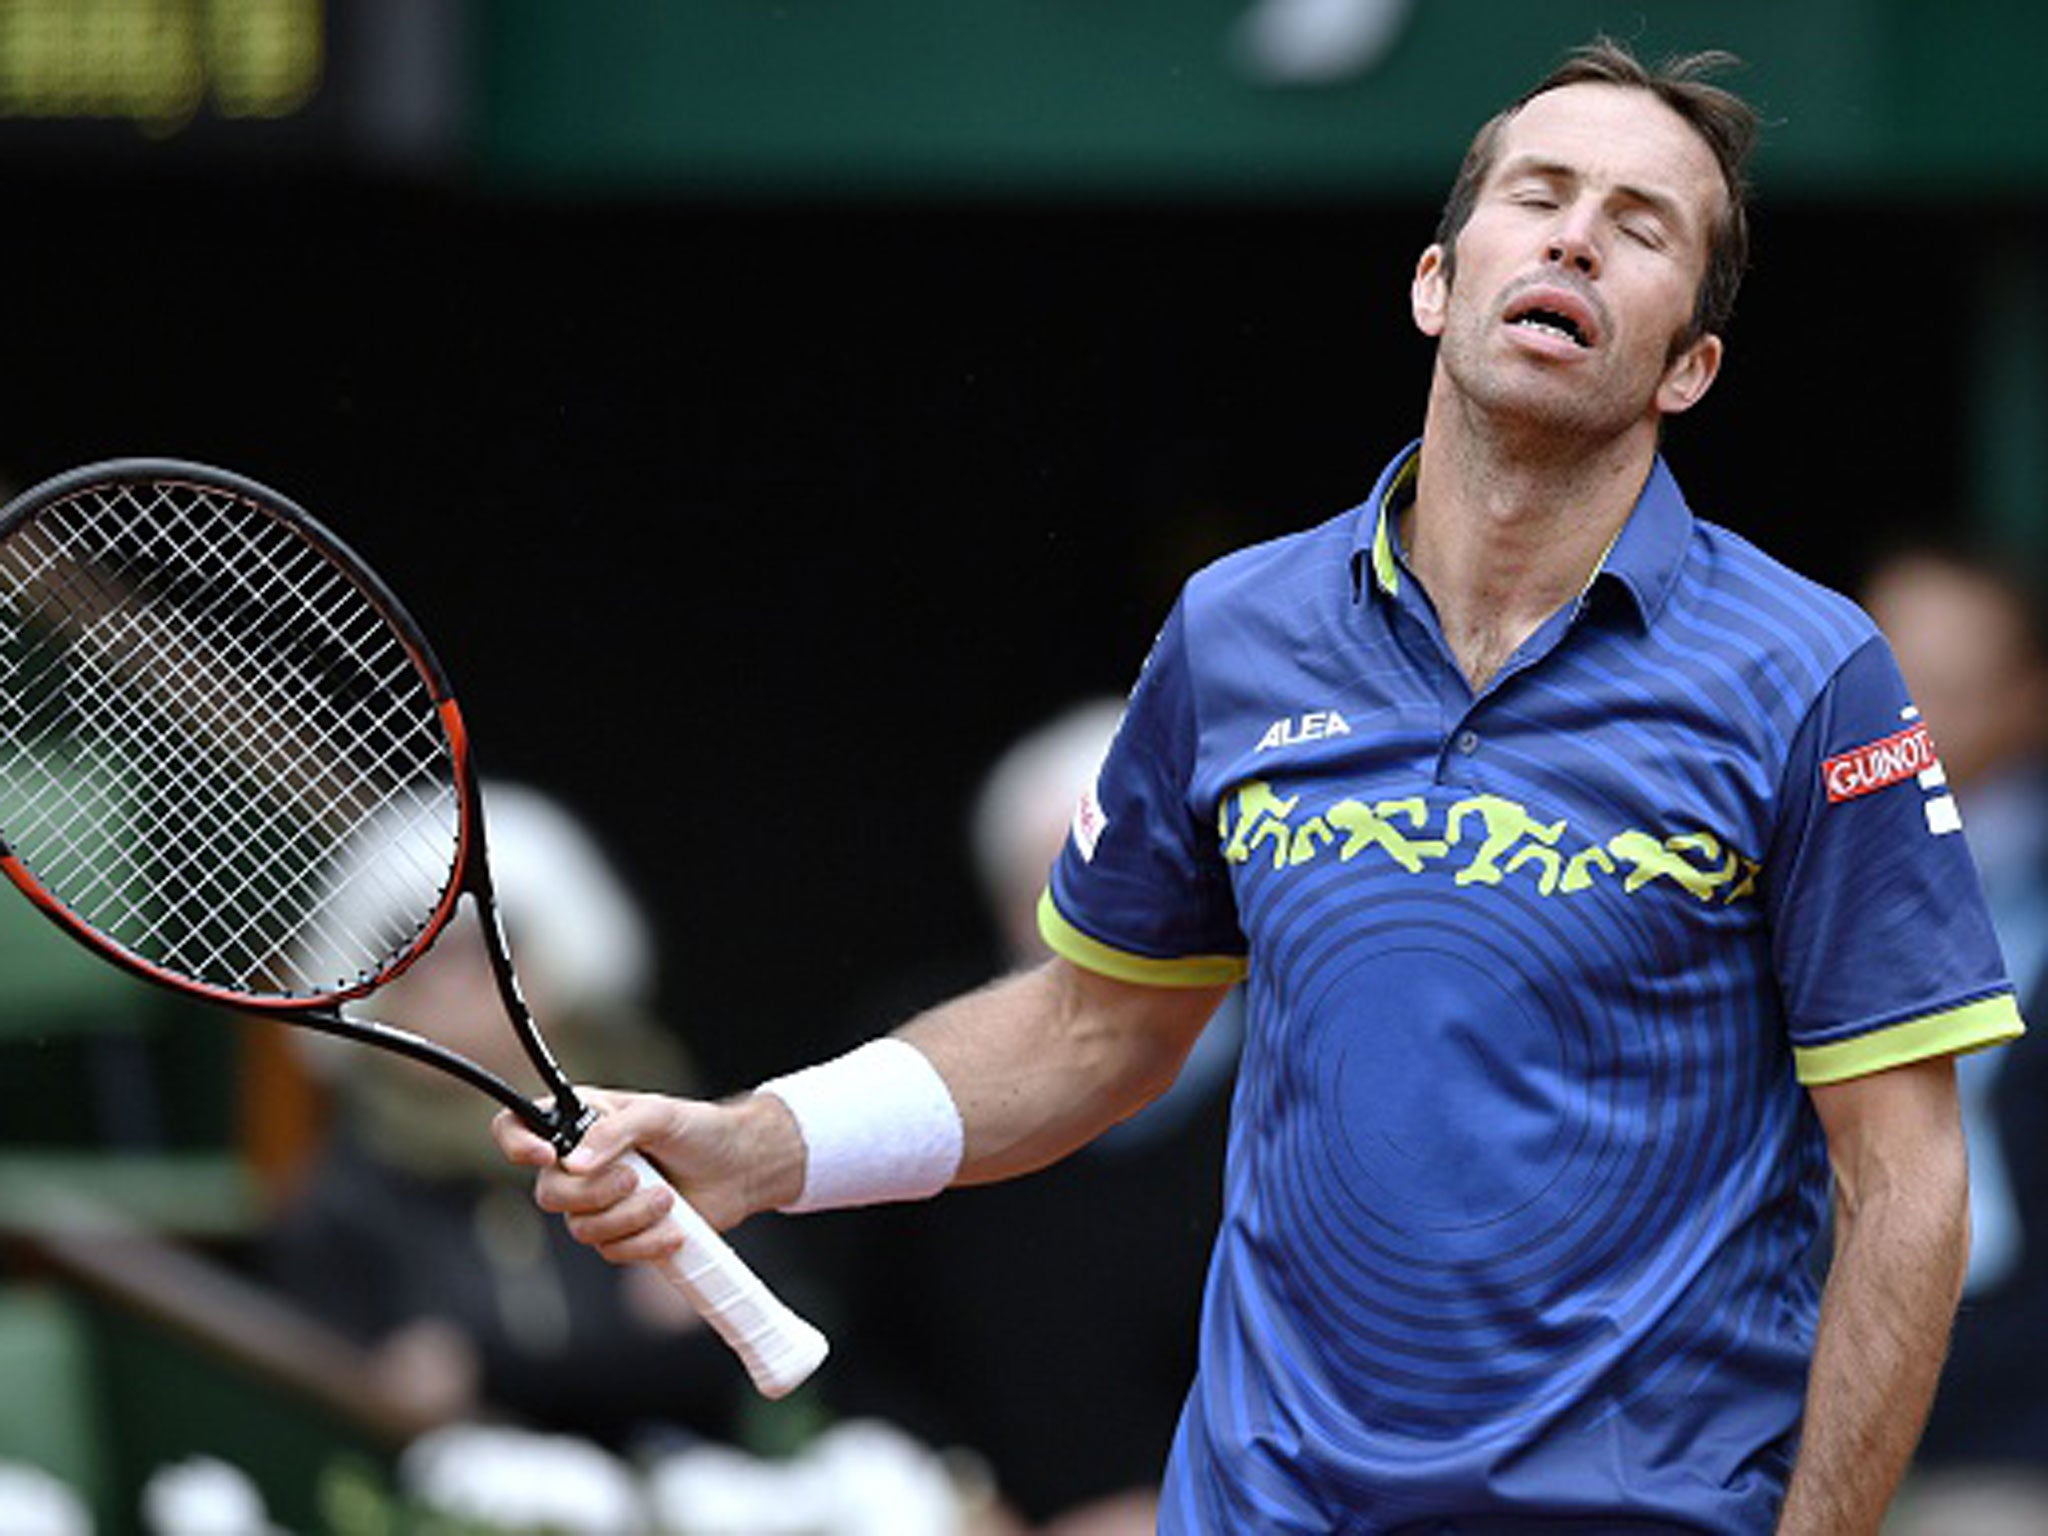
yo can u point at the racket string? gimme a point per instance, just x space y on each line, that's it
239 718
282 552
300 707
229 822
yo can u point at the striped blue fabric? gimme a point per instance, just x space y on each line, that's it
1523 1186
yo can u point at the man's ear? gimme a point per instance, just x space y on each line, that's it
1690 375
1430 293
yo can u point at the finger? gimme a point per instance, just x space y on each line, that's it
654 1246
577 1194
633 1230
625 1122
518 1143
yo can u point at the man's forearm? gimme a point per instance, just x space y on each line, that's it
1042 1062
995 1083
1885 1321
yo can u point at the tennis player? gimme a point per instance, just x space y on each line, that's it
1597 890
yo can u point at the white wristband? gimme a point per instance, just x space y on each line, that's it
878 1125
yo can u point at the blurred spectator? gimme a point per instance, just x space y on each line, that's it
476 1479
854 1479
92 1058
1969 640
1048 1324
412 1237
33 1503
1317 42
204 1496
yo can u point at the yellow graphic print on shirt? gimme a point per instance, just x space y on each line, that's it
1491 839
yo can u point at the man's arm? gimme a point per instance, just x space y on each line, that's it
1037 1065
1043 1062
1895 1139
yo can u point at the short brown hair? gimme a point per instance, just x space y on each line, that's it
1723 119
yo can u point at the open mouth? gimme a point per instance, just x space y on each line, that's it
1555 323
1554 312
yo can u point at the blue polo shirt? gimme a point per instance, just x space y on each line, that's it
1523 1182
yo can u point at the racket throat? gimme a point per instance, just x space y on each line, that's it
562 1123
569 1121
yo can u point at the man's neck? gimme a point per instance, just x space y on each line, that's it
1503 533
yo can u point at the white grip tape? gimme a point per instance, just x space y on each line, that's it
778 1348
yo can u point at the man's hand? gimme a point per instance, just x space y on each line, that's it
729 1160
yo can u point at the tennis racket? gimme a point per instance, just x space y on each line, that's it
231 764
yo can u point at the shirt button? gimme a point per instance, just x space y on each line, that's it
1468 742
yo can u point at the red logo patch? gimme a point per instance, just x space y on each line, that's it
1880 765
1089 824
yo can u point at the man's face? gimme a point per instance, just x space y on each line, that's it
1963 648
1577 273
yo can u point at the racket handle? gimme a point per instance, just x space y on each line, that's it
778 1348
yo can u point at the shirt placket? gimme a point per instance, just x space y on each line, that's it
1461 735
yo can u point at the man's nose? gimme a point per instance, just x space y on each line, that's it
1573 244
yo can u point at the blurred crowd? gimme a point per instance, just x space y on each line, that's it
1008 1360
1969 635
985 1381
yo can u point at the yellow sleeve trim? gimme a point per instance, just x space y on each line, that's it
1071 943
1952 1032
